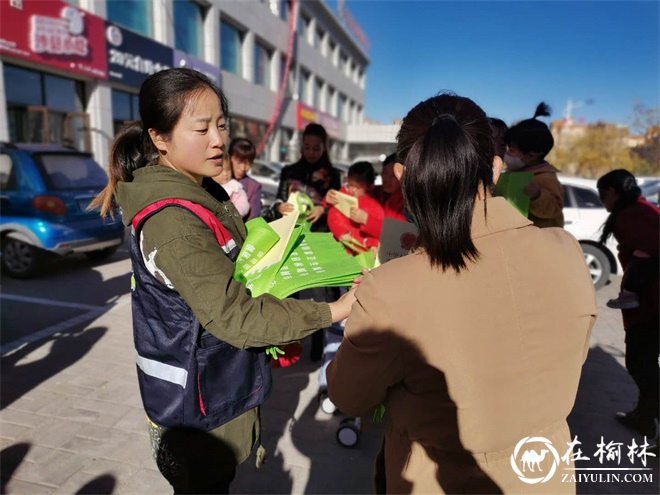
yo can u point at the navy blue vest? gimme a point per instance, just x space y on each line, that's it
187 376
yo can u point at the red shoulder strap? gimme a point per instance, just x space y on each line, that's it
210 220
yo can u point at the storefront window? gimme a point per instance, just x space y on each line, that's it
63 94
261 65
231 41
22 86
189 27
125 108
45 108
132 14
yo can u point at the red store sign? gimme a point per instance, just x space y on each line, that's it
54 33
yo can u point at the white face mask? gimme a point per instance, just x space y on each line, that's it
513 163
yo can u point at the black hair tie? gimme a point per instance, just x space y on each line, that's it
443 116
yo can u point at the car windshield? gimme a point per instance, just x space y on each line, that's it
72 171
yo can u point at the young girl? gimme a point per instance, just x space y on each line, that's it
528 142
234 189
360 183
241 155
199 336
361 177
389 194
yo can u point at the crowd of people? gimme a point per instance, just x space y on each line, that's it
463 361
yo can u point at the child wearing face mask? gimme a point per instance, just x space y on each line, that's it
528 142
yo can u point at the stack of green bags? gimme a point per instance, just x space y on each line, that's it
284 257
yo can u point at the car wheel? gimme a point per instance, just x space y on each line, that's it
599 265
102 254
20 259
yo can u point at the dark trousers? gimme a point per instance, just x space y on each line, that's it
193 461
639 273
642 350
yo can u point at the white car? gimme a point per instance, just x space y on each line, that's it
268 175
584 216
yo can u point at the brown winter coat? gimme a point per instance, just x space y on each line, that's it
469 365
547 209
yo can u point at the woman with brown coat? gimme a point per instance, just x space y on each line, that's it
481 353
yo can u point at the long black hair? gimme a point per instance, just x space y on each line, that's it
625 184
163 98
447 148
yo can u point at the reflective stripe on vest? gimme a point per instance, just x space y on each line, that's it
167 372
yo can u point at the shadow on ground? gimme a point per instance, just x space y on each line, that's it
605 388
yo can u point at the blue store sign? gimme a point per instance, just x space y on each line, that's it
182 59
131 57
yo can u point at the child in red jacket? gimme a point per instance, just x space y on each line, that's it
360 184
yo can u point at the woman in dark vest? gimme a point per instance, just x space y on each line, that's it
199 335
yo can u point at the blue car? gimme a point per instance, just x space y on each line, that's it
44 194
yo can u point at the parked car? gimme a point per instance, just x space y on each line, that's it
44 192
268 175
584 216
651 191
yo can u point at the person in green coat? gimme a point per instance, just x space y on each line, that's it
185 299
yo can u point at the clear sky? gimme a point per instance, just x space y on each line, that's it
509 56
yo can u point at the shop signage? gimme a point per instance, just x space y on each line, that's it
131 57
307 115
56 34
182 59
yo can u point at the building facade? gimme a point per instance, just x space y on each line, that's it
72 69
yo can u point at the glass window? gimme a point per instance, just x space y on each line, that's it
72 171
318 40
343 62
332 103
231 40
23 86
62 94
7 173
341 102
284 9
318 94
586 198
189 27
261 65
332 47
125 108
303 86
303 23
133 14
